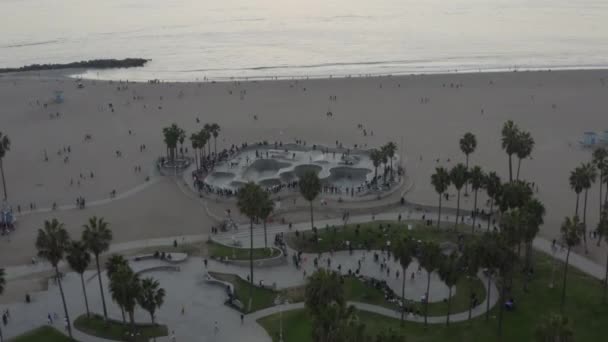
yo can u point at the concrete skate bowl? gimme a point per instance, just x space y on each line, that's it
300 170
269 182
263 168
220 178
347 176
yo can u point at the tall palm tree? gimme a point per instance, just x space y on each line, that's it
390 148
78 258
151 297
96 236
493 186
450 271
376 157
468 143
554 328
172 136
576 183
310 187
510 134
194 140
214 129
600 159
266 208
51 243
602 229
571 231
125 287
477 178
403 252
525 144
471 263
203 140
5 146
2 285
534 212
441 181
250 199
429 258
208 128
113 264
587 179
458 176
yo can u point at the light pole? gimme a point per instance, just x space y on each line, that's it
280 319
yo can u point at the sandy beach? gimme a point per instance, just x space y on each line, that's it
424 115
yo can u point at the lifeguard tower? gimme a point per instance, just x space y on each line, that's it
589 139
58 97
604 137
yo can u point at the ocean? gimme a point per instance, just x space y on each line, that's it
245 39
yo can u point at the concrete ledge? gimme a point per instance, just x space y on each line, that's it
158 268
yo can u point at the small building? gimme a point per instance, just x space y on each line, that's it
604 137
589 139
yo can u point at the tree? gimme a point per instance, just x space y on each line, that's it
5 146
113 264
477 178
488 247
458 177
450 270
514 195
441 181
576 183
429 260
214 130
471 263
600 159
310 187
525 144
403 252
2 285
195 140
125 287
571 231
376 157
505 259
266 208
493 187
51 243
554 328
151 296
172 135
390 148
78 258
510 135
534 213
587 179
250 199
602 229
209 129
468 143
96 237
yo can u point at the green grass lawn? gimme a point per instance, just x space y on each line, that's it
583 306
262 298
44 333
371 236
217 250
97 326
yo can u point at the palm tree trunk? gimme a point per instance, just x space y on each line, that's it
122 312
489 294
132 320
426 301
391 168
564 284
474 211
375 174
576 207
265 235
3 179
585 220
215 147
466 184
209 149
84 291
312 223
403 296
65 307
490 215
528 263
447 321
439 214
457 210
605 281
501 304
510 169
518 167
250 263
103 300
599 240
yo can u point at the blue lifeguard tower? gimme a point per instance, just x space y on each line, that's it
589 139
58 96
604 137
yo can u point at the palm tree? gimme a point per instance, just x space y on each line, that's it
576 184
600 159
208 128
194 140
571 231
587 179
554 328
471 262
487 249
602 229
525 144
266 209
79 259
458 177
476 177
2 285
310 187
151 296
390 148
172 136
534 212
429 260
468 143
113 264
96 236
250 199
181 137
493 187
505 262
214 129
5 146
51 243
510 134
376 157
441 181
125 287
402 253
450 268
203 140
